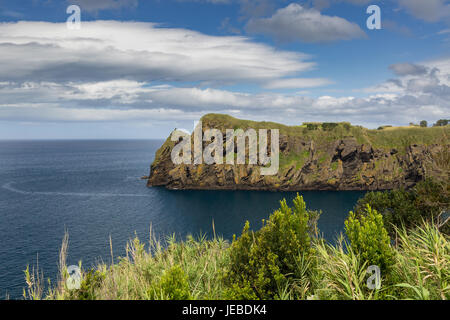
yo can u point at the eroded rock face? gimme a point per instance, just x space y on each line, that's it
343 164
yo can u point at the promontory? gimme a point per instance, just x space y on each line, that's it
316 156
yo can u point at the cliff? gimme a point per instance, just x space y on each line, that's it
318 157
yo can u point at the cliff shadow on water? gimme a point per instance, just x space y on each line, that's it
229 210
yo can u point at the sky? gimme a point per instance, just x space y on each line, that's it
137 69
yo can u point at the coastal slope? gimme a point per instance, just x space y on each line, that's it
318 156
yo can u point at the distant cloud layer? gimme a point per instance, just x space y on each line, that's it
404 69
100 73
297 83
428 10
104 50
296 23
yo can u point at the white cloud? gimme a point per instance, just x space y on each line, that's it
101 74
297 83
104 50
429 10
296 23
134 101
403 69
54 114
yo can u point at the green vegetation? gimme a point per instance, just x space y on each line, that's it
401 137
441 123
265 262
286 259
427 201
329 126
422 265
298 160
312 126
387 138
369 239
420 269
334 165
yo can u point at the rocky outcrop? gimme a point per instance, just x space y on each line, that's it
310 163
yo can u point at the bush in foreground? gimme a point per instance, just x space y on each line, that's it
264 262
369 239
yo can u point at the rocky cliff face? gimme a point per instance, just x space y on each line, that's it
323 162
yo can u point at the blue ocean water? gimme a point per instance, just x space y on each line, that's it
93 189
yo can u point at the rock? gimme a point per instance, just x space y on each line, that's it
347 149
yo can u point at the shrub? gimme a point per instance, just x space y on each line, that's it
384 127
441 123
329 126
369 238
347 126
264 262
425 201
91 281
312 126
423 123
396 207
174 284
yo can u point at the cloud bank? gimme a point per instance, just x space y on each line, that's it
101 74
296 23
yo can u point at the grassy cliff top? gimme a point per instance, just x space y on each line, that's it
389 137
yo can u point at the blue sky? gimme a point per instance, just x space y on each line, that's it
138 69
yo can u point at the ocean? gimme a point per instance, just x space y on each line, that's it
93 190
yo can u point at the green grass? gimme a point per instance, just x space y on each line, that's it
394 137
423 264
334 166
143 273
296 159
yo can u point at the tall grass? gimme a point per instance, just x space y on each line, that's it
144 272
340 274
196 268
423 264
139 274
